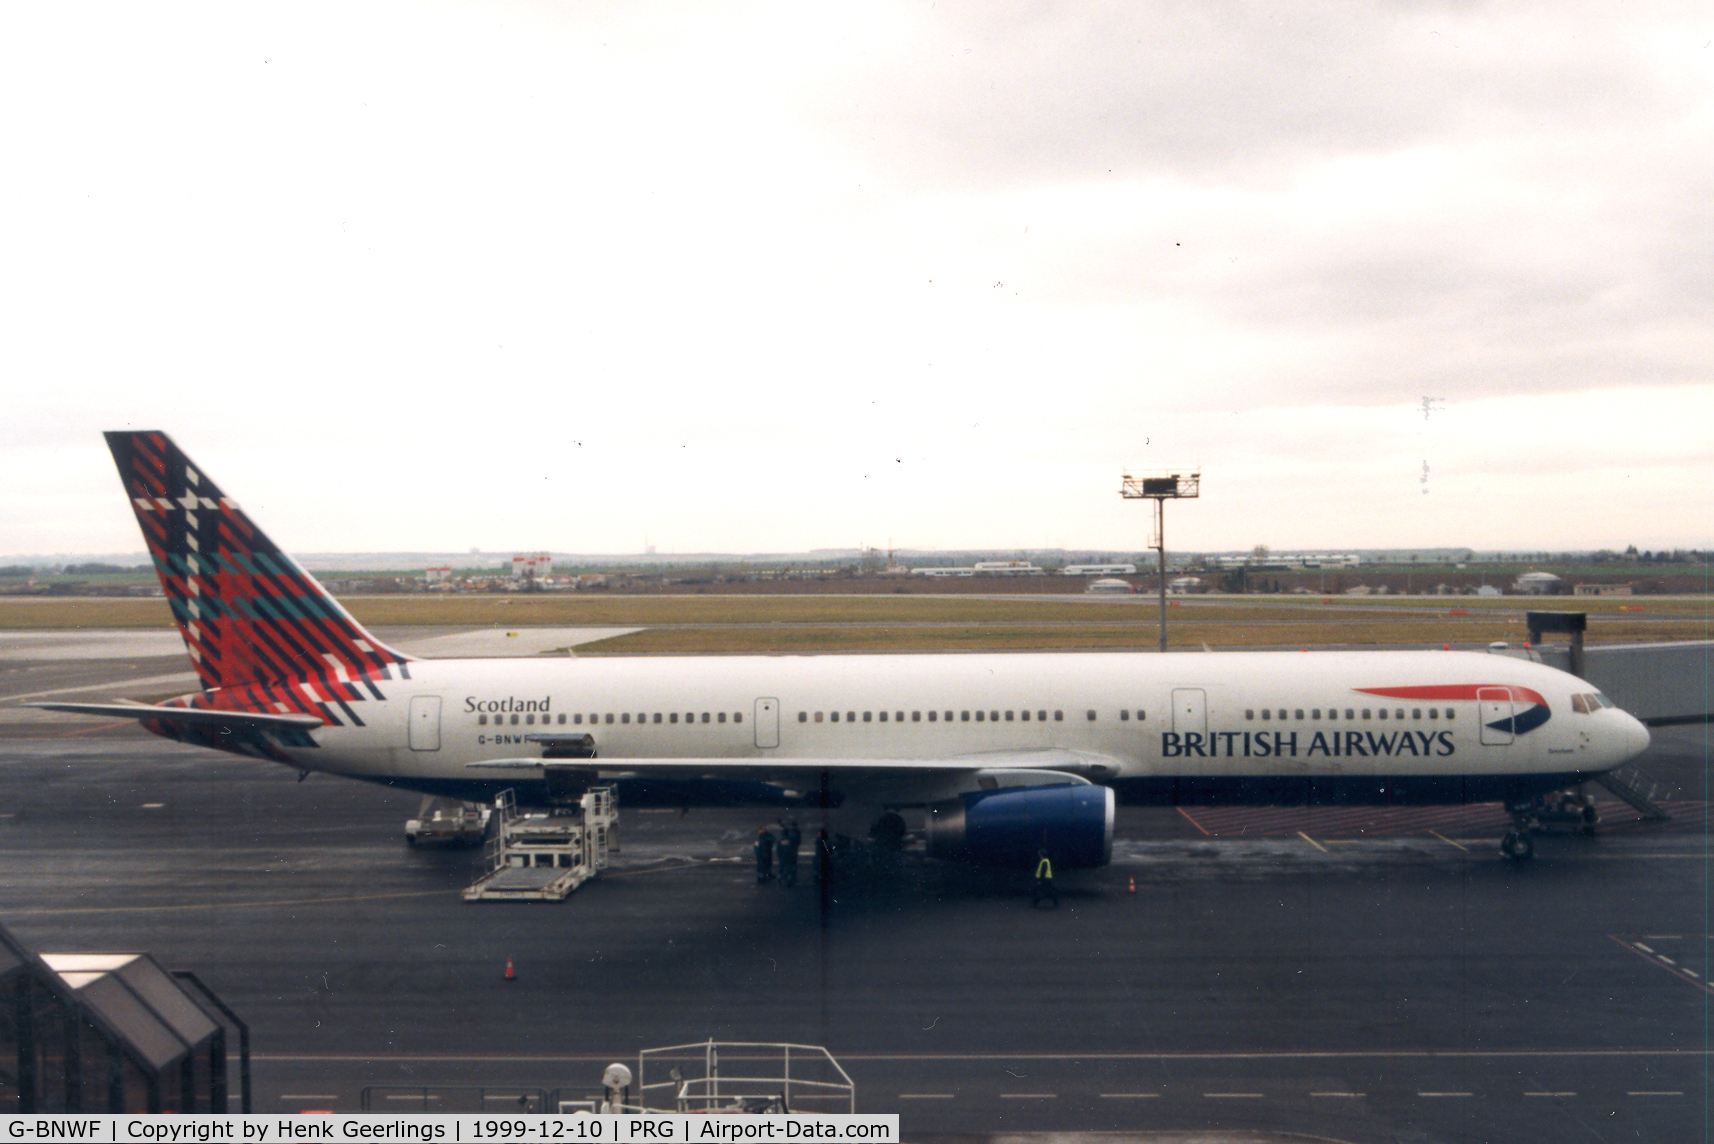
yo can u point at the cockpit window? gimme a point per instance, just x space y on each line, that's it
1580 704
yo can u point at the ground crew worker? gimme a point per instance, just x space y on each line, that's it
787 850
1044 882
764 857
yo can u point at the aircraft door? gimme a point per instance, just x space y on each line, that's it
767 722
1494 713
425 722
1190 710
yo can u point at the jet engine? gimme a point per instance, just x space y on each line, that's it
1073 823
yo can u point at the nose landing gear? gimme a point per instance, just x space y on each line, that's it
1517 844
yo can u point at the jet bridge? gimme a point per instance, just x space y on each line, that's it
544 856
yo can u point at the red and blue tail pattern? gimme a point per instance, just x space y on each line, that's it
259 629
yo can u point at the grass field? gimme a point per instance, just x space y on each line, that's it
808 624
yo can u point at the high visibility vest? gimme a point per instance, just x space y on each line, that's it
1044 869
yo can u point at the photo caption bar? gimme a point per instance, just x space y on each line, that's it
428 1127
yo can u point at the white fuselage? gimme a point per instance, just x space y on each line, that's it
1175 727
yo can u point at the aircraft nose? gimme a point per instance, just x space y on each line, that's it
1636 737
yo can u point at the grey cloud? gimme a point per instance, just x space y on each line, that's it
1039 93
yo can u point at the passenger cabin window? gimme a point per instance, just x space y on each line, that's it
1091 716
1059 716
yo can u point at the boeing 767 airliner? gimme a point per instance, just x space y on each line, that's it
1001 755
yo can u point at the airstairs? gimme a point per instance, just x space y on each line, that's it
544 856
1631 785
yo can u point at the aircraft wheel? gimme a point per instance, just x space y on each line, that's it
1517 846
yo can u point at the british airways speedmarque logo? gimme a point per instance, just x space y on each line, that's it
1520 710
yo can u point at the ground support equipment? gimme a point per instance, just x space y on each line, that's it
545 856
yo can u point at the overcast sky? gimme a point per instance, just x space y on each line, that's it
723 277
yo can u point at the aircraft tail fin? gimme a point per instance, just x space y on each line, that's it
248 612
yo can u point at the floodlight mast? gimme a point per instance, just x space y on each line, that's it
1160 486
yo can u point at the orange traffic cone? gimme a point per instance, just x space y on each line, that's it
1133 884
510 975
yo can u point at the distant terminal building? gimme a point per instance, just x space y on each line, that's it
439 578
1185 585
1099 570
984 568
1284 563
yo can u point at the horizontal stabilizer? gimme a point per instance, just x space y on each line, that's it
188 716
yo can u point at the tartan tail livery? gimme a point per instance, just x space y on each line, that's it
276 654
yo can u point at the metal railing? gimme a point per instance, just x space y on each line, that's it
753 1087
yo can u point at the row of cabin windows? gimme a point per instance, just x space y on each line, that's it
576 718
945 716
1351 713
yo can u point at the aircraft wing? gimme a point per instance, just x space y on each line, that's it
1037 767
189 716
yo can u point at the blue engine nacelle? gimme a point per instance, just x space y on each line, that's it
1073 823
